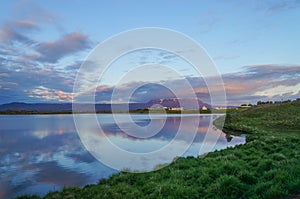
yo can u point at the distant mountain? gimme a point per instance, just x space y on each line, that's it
47 107
57 107
52 107
187 104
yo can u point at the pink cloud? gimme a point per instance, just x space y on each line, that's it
16 30
26 24
64 96
48 94
104 88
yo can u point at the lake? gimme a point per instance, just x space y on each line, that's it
42 153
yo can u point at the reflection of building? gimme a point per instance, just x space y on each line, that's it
166 108
220 108
204 108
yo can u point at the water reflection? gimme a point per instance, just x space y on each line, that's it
42 153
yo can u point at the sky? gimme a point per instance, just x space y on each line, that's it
254 44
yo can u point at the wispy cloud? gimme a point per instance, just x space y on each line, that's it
70 43
223 57
275 6
283 5
15 31
208 24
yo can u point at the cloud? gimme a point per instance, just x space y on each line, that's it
4 75
74 66
27 76
253 83
275 6
223 57
32 11
18 42
260 82
208 24
283 5
15 31
34 71
28 63
47 94
27 16
70 43
16 84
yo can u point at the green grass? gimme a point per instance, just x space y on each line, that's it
271 119
267 166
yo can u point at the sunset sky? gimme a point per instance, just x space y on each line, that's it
255 45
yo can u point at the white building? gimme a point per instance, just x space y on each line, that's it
176 108
204 108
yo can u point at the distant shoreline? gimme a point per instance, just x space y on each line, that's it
143 111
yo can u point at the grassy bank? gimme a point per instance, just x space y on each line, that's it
268 166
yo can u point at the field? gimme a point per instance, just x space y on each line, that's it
267 166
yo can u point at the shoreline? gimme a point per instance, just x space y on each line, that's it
208 112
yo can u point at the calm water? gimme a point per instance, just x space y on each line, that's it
42 153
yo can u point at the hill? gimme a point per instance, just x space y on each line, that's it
187 104
276 119
267 166
67 107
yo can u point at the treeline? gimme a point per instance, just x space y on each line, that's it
271 102
275 102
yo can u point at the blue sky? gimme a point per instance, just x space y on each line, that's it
254 44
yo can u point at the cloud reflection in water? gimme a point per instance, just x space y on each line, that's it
42 153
